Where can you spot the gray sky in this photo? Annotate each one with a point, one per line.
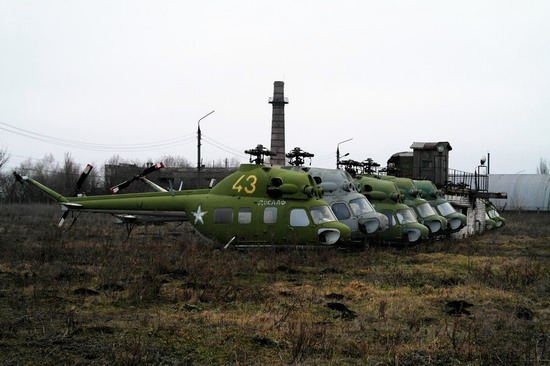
(386, 73)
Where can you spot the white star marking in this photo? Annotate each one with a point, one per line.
(199, 214)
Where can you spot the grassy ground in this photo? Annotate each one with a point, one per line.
(87, 296)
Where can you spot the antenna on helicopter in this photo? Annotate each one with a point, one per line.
(296, 156)
(258, 153)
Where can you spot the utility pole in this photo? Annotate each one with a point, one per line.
(338, 152)
(199, 164)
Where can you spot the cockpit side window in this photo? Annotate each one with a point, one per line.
(391, 218)
(298, 217)
(341, 211)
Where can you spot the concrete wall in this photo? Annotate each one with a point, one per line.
(474, 211)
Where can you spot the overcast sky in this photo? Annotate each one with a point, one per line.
(134, 77)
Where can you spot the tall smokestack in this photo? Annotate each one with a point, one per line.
(278, 123)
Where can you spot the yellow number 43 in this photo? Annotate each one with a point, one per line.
(250, 187)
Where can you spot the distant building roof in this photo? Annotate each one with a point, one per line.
(430, 145)
(530, 192)
(403, 153)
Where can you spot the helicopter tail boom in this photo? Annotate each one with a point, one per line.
(48, 191)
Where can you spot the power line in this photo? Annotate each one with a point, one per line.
(136, 147)
(223, 147)
(326, 157)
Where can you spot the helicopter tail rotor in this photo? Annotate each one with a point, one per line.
(81, 179)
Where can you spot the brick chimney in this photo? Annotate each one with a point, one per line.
(278, 123)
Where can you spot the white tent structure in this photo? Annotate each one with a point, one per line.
(526, 192)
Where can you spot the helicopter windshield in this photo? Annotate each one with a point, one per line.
(360, 206)
(425, 210)
(322, 214)
(445, 209)
(493, 214)
(405, 216)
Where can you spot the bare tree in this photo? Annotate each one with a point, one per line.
(45, 171)
(175, 161)
(115, 160)
(3, 156)
(68, 174)
(544, 167)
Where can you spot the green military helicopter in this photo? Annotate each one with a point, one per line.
(387, 200)
(257, 205)
(489, 223)
(424, 211)
(493, 215)
(349, 206)
(455, 220)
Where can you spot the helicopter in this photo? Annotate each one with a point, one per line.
(455, 220)
(489, 223)
(255, 206)
(387, 200)
(491, 213)
(349, 206)
(424, 212)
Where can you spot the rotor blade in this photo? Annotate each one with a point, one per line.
(63, 217)
(122, 185)
(152, 185)
(145, 171)
(82, 178)
(151, 169)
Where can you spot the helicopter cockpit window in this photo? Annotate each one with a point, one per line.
(406, 216)
(298, 217)
(322, 214)
(270, 215)
(223, 216)
(493, 214)
(445, 209)
(391, 218)
(245, 215)
(341, 211)
(425, 210)
(360, 206)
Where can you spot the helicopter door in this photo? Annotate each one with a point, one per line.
(300, 226)
(343, 214)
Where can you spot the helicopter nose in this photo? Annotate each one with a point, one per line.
(369, 226)
(412, 234)
(455, 223)
(328, 236)
(433, 225)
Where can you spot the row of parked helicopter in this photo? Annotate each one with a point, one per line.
(294, 205)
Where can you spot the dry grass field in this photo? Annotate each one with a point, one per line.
(164, 297)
